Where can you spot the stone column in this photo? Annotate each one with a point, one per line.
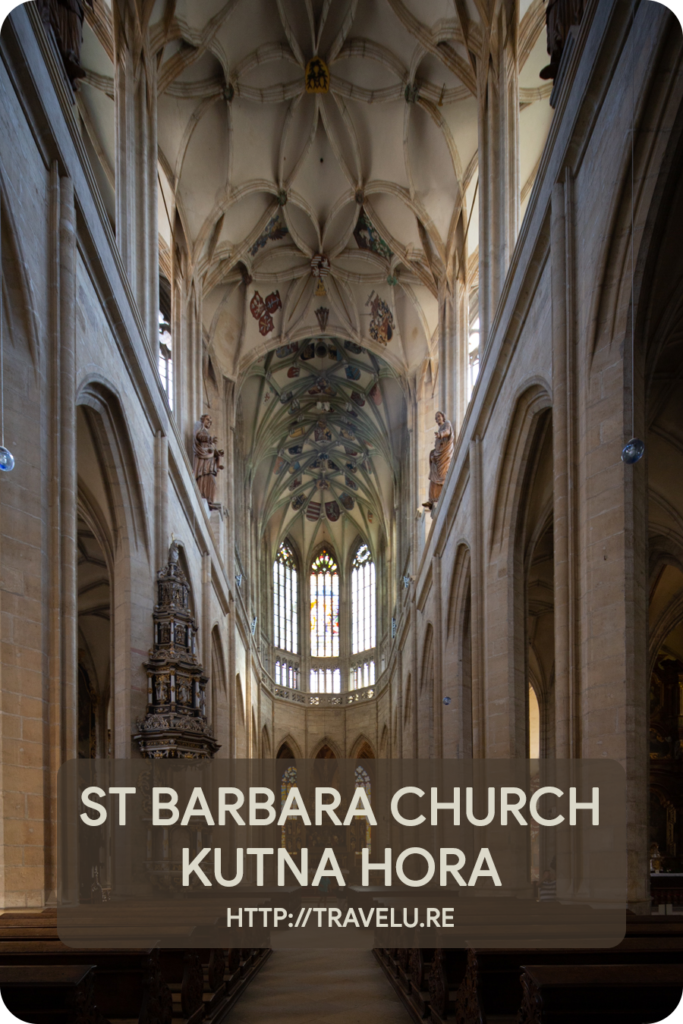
(498, 98)
(477, 620)
(564, 519)
(453, 356)
(67, 489)
(137, 230)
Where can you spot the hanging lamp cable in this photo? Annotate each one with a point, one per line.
(634, 450)
(6, 457)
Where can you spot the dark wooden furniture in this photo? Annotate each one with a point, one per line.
(51, 994)
(592, 994)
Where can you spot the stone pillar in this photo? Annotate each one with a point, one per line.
(67, 488)
(564, 524)
(453, 355)
(498, 98)
(161, 499)
(137, 230)
(477, 622)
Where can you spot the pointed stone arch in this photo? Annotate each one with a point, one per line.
(287, 747)
(109, 429)
(363, 748)
(425, 702)
(326, 750)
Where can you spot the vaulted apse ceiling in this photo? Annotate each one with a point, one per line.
(323, 434)
(262, 177)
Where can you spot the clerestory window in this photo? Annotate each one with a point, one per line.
(363, 601)
(324, 606)
(285, 601)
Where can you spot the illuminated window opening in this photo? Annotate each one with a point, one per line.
(165, 357)
(363, 601)
(285, 601)
(325, 680)
(473, 350)
(324, 608)
(286, 674)
(362, 675)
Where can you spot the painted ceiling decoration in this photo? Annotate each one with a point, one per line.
(322, 437)
(319, 160)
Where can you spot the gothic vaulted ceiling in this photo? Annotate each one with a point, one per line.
(315, 157)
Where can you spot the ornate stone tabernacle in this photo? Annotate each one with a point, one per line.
(175, 724)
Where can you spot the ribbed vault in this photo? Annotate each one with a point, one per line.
(325, 426)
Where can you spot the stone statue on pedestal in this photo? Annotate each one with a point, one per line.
(559, 18)
(207, 460)
(440, 458)
(66, 20)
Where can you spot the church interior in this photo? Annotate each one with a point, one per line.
(360, 326)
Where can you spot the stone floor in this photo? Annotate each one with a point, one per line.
(327, 986)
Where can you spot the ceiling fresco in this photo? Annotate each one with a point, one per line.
(323, 439)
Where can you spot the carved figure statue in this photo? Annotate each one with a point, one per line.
(559, 17)
(162, 690)
(207, 460)
(66, 19)
(439, 458)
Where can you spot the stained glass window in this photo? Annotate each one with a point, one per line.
(324, 606)
(289, 780)
(285, 598)
(363, 781)
(363, 601)
(325, 680)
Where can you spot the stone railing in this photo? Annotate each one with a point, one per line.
(321, 700)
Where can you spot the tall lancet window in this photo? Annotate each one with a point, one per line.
(363, 601)
(285, 600)
(324, 606)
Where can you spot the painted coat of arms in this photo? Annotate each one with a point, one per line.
(332, 511)
(263, 310)
(382, 322)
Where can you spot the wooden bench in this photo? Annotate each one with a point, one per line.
(51, 994)
(127, 984)
(592, 994)
(490, 986)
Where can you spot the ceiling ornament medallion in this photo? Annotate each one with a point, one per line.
(320, 265)
(317, 76)
(322, 315)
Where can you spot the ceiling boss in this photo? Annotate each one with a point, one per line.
(317, 76)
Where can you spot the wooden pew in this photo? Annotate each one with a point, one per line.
(490, 986)
(127, 984)
(591, 994)
(50, 994)
(182, 971)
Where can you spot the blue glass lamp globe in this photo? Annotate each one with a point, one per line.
(6, 460)
(447, 701)
(633, 451)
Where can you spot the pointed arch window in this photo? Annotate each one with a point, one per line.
(324, 606)
(363, 601)
(285, 600)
